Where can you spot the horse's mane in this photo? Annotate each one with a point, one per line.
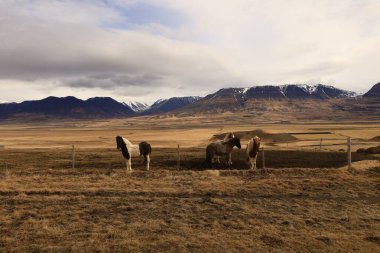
(120, 141)
(127, 142)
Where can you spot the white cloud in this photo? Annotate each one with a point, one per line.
(94, 48)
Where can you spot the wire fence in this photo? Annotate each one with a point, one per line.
(183, 158)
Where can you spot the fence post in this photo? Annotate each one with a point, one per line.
(263, 158)
(73, 160)
(178, 158)
(320, 145)
(349, 153)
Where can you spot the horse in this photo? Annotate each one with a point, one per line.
(253, 148)
(127, 149)
(228, 136)
(145, 150)
(219, 148)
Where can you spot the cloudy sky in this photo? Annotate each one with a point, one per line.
(145, 50)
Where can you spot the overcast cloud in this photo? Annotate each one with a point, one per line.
(145, 50)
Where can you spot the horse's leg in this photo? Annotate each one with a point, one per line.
(147, 158)
(229, 162)
(251, 162)
(126, 165)
(217, 158)
(211, 159)
(144, 162)
(129, 165)
(210, 153)
(254, 162)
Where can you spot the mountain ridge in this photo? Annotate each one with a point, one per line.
(225, 99)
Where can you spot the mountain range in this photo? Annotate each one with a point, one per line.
(291, 98)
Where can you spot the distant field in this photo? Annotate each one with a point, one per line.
(168, 131)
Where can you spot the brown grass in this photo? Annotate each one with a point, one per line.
(302, 203)
(166, 131)
(47, 206)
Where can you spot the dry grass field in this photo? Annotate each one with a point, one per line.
(196, 131)
(305, 201)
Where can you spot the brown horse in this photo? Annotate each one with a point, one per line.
(219, 148)
(253, 148)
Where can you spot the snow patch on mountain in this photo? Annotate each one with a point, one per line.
(137, 106)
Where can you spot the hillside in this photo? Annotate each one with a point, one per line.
(270, 102)
(171, 104)
(67, 107)
(374, 91)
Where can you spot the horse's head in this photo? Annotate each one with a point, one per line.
(256, 141)
(119, 142)
(235, 142)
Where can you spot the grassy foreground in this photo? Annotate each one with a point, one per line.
(47, 206)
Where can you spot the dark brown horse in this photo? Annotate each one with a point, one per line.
(145, 150)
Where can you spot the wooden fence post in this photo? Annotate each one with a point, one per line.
(263, 158)
(178, 158)
(349, 153)
(73, 156)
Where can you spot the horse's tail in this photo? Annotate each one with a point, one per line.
(209, 155)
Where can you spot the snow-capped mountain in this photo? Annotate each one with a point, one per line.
(171, 104)
(231, 99)
(137, 106)
(290, 91)
(287, 91)
(289, 98)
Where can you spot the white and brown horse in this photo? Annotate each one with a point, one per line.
(253, 148)
(221, 148)
(128, 149)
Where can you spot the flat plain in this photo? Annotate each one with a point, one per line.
(304, 201)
